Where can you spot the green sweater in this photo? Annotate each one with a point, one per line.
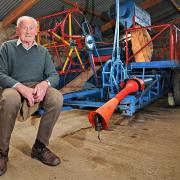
(26, 66)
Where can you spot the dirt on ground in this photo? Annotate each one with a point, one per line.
(143, 147)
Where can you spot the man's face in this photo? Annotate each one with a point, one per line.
(27, 31)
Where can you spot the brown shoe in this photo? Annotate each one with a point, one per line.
(3, 162)
(45, 156)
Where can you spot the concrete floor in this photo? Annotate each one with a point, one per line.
(146, 148)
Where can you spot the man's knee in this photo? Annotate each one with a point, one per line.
(11, 98)
(54, 97)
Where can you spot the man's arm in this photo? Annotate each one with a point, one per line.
(50, 72)
(51, 79)
(5, 80)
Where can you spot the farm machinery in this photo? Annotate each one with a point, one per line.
(65, 35)
(144, 65)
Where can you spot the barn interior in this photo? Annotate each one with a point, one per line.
(119, 68)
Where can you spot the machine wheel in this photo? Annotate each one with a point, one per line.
(176, 86)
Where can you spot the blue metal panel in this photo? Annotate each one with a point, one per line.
(131, 103)
(128, 105)
(128, 10)
(83, 104)
(155, 64)
(67, 108)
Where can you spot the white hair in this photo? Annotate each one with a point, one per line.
(22, 18)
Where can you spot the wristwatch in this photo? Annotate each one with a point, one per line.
(49, 84)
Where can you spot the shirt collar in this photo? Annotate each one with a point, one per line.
(20, 42)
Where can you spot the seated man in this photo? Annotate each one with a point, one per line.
(28, 74)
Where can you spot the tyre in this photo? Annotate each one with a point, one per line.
(176, 86)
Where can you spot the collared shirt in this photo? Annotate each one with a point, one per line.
(27, 48)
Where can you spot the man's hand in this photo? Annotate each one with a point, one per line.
(26, 92)
(40, 91)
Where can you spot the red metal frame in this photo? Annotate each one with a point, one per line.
(172, 39)
(64, 39)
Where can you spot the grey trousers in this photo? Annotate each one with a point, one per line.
(10, 103)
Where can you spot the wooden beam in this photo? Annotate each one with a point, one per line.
(24, 6)
(176, 4)
(108, 25)
(175, 21)
(149, 3)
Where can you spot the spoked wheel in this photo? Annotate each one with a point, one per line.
(63, 36)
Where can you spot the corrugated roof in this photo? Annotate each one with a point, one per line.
(46, 7)
(6, 6)
(163, 12)
(160, 13)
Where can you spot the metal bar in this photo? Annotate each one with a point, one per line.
(149, 27)
(59, 13)
(155, 64)
(176, 43)
(70, 26)
(81, 93)
(67, 59)
(149, 41)
(148, 88)
(59, 37)
(127, 56)
(83, 103)
(80, 60)
(171, 40)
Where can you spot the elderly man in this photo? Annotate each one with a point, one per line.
(28, 74)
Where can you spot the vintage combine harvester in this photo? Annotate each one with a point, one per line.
(65, 34)
(58, 33)
(145, 65)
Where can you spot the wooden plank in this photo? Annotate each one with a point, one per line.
(78, 83)
(175, 21)
(24, 6)
(176, 4)
(108, 25)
